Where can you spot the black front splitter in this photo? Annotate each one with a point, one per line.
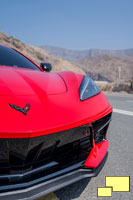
(53, 184)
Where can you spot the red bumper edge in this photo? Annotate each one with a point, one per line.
(97, 154)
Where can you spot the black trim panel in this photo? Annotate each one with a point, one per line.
(51, 185)
(22, 155)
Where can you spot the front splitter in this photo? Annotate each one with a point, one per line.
(54, 184)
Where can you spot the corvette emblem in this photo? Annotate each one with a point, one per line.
(23, 110)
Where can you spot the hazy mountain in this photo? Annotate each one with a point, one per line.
(108, 65)
(73, 55)
(99, 64)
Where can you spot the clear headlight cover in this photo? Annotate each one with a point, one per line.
(88, 88)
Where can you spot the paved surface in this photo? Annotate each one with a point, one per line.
(50, 196)
(120, 159)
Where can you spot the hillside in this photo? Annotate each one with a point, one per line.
(107, 66)
(37, 54)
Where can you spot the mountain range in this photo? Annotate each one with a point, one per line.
(101, 65)
(97, 63)
(74, 55)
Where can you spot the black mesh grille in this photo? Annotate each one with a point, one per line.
(100, 128)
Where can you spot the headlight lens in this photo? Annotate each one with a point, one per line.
(88, 88)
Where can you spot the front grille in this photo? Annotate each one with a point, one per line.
(44, 155)
(100, 128)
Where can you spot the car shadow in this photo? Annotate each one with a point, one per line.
(72, 191)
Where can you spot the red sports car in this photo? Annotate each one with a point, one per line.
(53, 127)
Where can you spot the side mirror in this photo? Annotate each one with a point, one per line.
(46, 66)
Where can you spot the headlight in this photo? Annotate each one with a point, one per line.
(88, 88)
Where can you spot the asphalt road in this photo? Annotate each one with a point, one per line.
(120, 158)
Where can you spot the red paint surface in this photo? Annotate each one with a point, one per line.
(97, 154)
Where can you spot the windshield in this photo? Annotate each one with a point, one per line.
(10, 57)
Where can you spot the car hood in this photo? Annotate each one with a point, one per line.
(54, 103)
(16, 81)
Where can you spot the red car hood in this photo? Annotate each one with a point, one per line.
(53, 105)
(17, 81)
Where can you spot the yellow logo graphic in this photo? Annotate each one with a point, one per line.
(114, 184)
(104, 192)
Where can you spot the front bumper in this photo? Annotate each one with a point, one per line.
(83, 157)
(76, 173)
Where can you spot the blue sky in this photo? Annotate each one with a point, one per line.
(73, 24)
